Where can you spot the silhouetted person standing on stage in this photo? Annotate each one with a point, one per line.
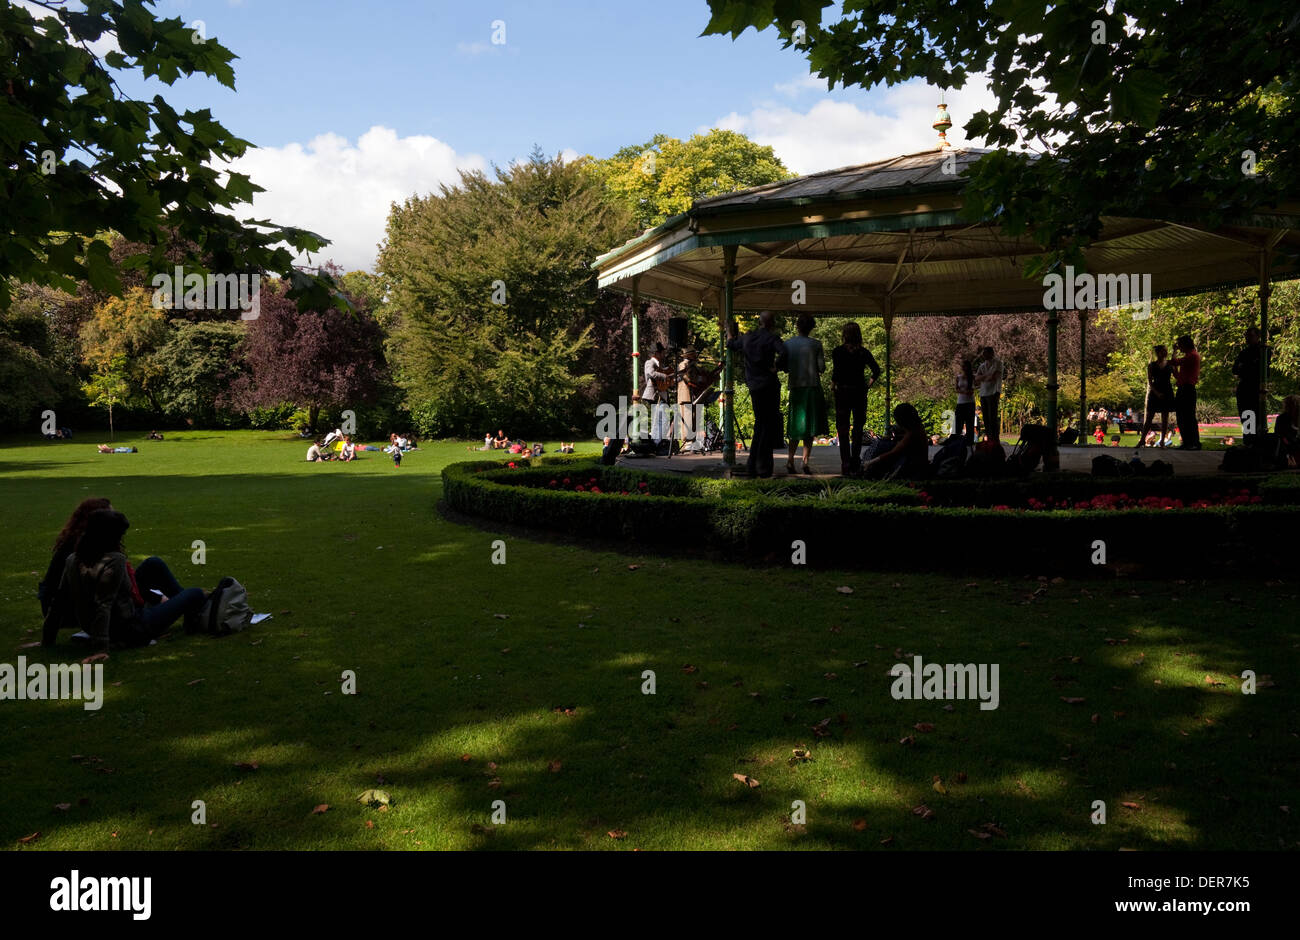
(763, 353)
(1187, 372)
(1250, 396)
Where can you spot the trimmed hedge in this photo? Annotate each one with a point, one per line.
(740, 517)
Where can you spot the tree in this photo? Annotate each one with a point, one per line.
(662, 177)
(1143, 106)
(492, 288)
(78, 157)
(108, 387)
(324, 358)
(34, 369)
(129, 330)
(195, 366)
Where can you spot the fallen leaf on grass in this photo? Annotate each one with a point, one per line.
(1130, 805)
(938, 786)
(247, 765)
(321, 809)
(1210, 680)
(924, 812)
(465, 758)
(860, 825)
(907, 740)
(1074, 700)
(923, 726)
(196, 682)
(844, 589)
(374, 798)
(501, 616)
(633, 567)
(887, 840)
(31, 645)
(979, 835)
(746, 779)
(818, 700)
(554, 766)
(63, 806)
(800, 754)
(370, 824)
(95, 658)
(617, 834)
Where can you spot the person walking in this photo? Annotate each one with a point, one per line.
(1250, 396)
(763, 353)
(805, 361)
(849, 385)
(1160, 394)
(1187, 372)
(988, 374)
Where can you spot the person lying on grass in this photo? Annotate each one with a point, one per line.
(101, 594)
(110, 449)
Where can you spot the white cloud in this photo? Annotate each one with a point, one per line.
(801, 85)
(834, 133)
(343, 190)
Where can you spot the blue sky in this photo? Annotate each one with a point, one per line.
(354, 104)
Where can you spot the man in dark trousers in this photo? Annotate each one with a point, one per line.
(1249, 396)
(764, 354)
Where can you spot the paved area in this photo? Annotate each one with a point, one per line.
(826, 460)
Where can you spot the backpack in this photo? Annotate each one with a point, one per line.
(950, 458)
(226, 610)
(1104, 465)
(1035, 439)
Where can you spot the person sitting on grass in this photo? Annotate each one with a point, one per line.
(537, 450)
(155, 436)
(63, 546)
(349, 451)
(567, 448)
(102, 595)
(501, 442)
(314, 452)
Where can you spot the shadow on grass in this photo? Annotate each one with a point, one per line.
(537, 667)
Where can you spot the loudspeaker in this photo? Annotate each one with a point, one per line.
(677, 332)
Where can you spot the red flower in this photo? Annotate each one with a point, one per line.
(552, 483)
(566, 480)
(595, 489)
(580, 488)
(511, 465)
(624, 493)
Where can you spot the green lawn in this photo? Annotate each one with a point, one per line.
(523, 683)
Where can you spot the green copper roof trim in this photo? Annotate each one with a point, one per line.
(791, 233)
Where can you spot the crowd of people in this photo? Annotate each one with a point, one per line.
(90, 586)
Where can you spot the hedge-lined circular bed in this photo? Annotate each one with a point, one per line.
(1037, 524)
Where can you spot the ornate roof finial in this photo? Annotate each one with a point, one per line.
(941, 124)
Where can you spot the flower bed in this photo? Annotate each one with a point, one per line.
(886, 525)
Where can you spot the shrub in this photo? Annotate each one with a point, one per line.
(753, 519)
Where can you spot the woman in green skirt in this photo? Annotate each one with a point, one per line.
(805, 361)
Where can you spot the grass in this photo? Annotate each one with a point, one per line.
(523, 683)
